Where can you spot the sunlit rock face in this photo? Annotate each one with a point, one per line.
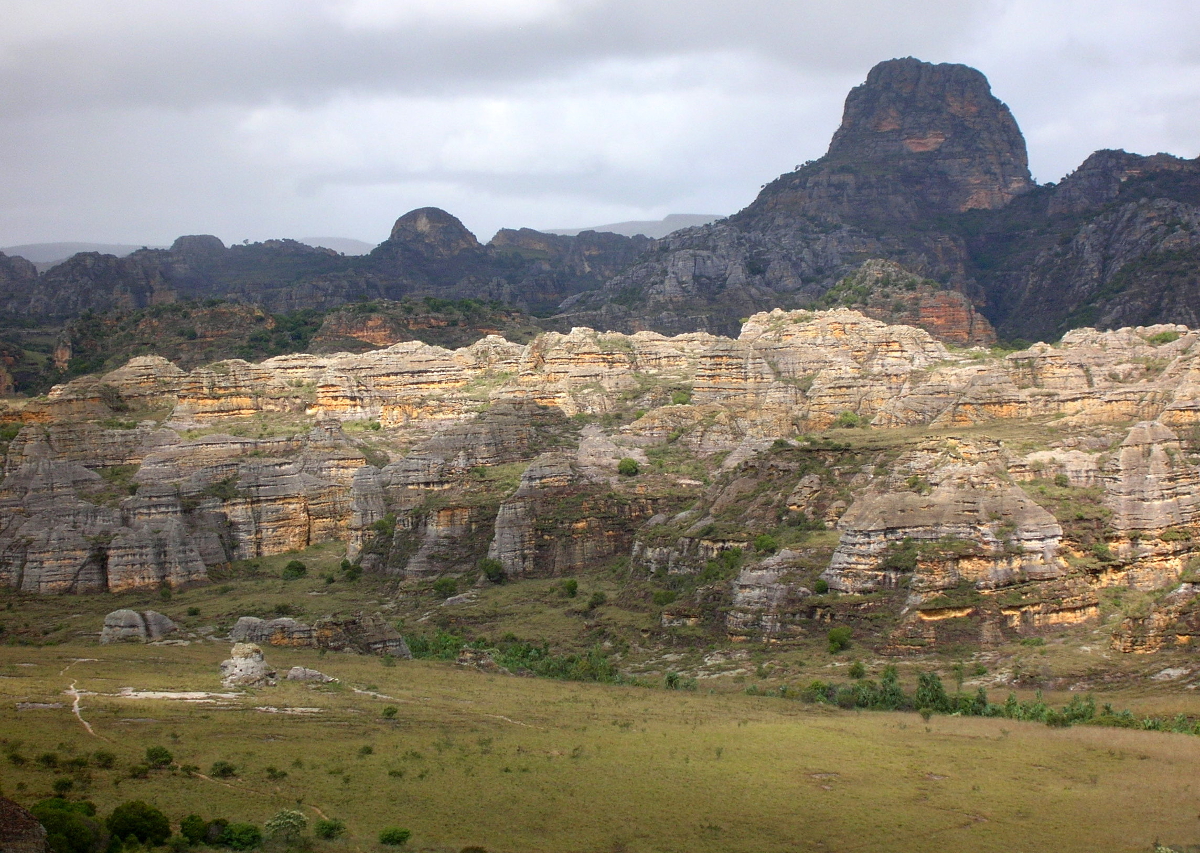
(947, 514)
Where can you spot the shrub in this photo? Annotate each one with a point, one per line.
(445, 587)
(287, 824)
(294, 570)
(104, 759)
(627, 467)
(71, 827)
(681, 397)
(141, 820)
(663, 597)
(222, 770)
(193, 611)
(394, 836)
(570, 587)
(389, 712)
(214, 831)
(158, 756)
(598, 599)
(63, 785)
(1062, 480)
(839, 639)
(847, 420)
(858, 670)
(492, 569)
(192, 828)
(332, 828)
(821, 586)
(242, 836)
(931, 693)
(1163, 338)
(765, 543)
(900, 556)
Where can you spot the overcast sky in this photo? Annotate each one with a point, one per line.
(139, 120)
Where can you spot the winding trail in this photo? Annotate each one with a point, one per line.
(77, 696)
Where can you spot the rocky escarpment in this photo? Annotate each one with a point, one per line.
(425, 462)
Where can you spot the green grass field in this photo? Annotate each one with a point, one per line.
(524, 764)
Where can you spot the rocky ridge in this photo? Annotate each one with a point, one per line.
(423, 460)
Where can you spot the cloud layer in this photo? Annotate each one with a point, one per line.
(137, 121)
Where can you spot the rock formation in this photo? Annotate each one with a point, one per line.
(130, 625)
(362, 633)
(246, 668)
(313, 676)
(20, 831)
(945, 515)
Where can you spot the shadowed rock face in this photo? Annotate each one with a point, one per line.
(916, 140)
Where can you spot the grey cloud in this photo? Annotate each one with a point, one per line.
(186, 54)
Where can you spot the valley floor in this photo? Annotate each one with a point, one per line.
(526, 764)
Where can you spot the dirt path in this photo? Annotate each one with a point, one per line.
(77, 697)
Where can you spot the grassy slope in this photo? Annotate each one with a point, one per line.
(533, 765)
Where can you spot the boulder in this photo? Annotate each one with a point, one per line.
(246, 667)
(131, 626)
(300, 673)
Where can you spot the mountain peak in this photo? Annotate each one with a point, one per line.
(915, 139)
(434, 231)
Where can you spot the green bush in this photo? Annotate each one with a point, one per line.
(847, 420)
(222, 770)
(394, 836)
(627, 467)
(598, 599)
(294, 570)
(663, 597)
(141, 820)
(765, 543)
(242, 836)
(821, 586)
(192, 828)
(681, 397)
(71, 827)
(839, 639)
(858, 670)
(214, 831)
(332, 828)
(570, 587)
(1163, 338)
(104, 759)
(288, 825)
(1062, 481)
(389, 712)
(158, 756)
(445, 587)
(492, 569)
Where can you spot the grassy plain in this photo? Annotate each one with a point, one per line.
(523, 764)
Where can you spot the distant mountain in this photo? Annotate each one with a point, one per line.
(52, 253)
(654, 228)
(929, 170)
(345, 245)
